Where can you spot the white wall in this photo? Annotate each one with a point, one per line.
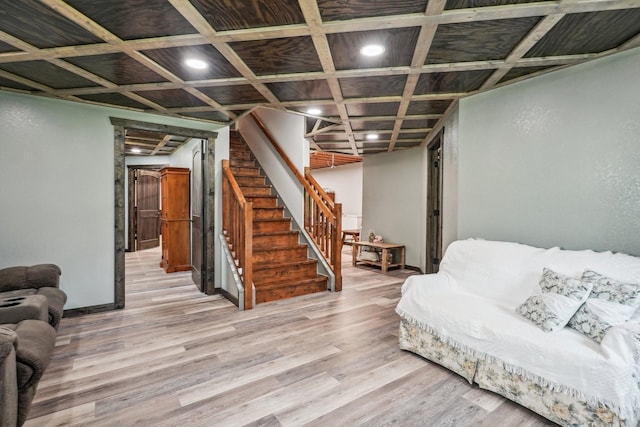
(393, 200)
(56, 169)
(288, 130)
(555, 160)
(346, 182)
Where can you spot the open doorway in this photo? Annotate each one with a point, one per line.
(205, 259)
(143, 230)
(434, 204)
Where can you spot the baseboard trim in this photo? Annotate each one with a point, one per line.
(230, 297)
(411, 267)
(75, 312)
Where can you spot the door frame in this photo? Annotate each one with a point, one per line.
(434, 201)
(119, 177)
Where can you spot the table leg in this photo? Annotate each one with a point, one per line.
(402, 257)
(385, 260)
(354, 252)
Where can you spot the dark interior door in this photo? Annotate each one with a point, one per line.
(147, 209)
(197, 217)
(434, 206)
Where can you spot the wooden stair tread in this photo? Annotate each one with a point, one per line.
(281, 264)
(296, 246)
(287, 283)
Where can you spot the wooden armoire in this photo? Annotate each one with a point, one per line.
(175, 219)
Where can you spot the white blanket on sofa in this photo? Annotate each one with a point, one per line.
(471, 305)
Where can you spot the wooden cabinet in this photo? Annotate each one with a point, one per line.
(175, 219)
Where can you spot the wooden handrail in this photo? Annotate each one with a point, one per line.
(237, 224)
(322, 216)
(292, 167)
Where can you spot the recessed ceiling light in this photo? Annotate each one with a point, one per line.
(314, 111)
(372, 50)
(198, 64)
(372, 136)
(136, 150)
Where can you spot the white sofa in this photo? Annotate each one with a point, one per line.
(465, 318)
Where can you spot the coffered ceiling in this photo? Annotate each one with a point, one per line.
(299, 54)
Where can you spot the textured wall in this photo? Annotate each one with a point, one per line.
(393, 200)
(56, 169)
(555, 160)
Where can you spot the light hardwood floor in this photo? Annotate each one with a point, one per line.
(176, 357)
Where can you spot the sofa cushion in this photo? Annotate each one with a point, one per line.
(610, 303)
(35, 276)
(560, 298)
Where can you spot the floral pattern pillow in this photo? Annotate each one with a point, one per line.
(610, 303)
(560, 298)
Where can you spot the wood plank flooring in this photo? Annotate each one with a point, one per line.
(176, 357)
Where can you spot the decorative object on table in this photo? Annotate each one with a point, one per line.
(377, 239)
(372, 236)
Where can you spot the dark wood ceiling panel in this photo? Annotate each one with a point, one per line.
(173, 60)
(588, 33)
(13, 85)
(301, 90)
(292, 55)
(326, 110)
(407, 144)
(361, 125)
(234, 94)
(216, 116)
(47, 74)
(5, 47)
(428, 107)
(115, 99)
(232, 15)
(460, 81)
(278, 56)
(373, 109)
(412, 135)
(132, 19)
(399, 45)
(372, 86)
(339, 10)
(514, 73)
(418, 124)
(478, 41)
(469, 4)
(117, 68)
(172, 98)
(332, 137)
(36, 24)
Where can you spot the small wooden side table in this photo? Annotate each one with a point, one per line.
(384, 262)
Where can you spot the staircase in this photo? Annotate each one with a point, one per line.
(281, 268)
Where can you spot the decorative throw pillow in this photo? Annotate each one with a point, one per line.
(610, 303)
(560, 298)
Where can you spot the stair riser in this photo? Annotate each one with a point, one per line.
(250, 180)
(269, 226)
(289, 292)
(274, 241)
(290, 272)
(256, 191)
(263, 202)
(268, 213)
(278, 255)
(242, 163)
(239, 154)
(245, 171)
